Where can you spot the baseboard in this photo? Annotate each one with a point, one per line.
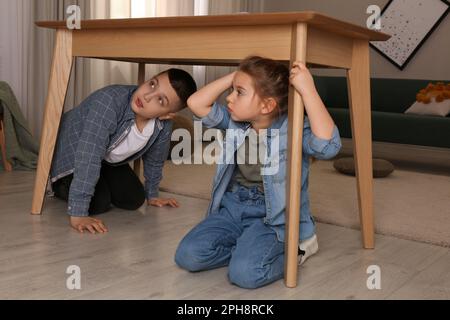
(421, 158)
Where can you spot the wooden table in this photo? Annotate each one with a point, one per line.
(225, 40)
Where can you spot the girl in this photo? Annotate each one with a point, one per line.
(245, 223)
(113, 126)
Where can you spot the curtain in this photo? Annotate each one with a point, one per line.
(228, 7)
(26, 54)
(109, 72)
(114, 72)
(26, 50)
(15, 16)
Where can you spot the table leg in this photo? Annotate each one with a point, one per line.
(294, 165)
(358, 78)
(57, 88)
(141, 80)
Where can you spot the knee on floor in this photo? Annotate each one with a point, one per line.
(191, 256)
(245, 275)
(131, 203)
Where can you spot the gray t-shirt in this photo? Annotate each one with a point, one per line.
(249, 160)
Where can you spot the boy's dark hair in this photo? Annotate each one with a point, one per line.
(183, 84)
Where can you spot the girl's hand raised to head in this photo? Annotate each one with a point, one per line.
(160, 202)
(301, 79)
(202, 101)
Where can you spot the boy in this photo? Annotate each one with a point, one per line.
(113, 126)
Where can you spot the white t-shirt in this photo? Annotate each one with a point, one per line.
(132, 143)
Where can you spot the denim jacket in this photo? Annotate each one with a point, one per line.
(89, 131)
(274, 179)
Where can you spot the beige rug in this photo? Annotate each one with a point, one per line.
(408, 205)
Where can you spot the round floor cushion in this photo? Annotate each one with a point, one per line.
(381, 168)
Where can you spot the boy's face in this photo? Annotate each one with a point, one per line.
(155, 98)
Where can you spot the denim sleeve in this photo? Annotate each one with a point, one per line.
(100, 124)
(318, 148)
(154, 160)
(217, 118)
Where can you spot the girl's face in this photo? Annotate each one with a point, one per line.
(155, 98)
(243, 103)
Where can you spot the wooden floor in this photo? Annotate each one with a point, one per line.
(135, 259)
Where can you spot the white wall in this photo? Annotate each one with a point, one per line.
(432, 61)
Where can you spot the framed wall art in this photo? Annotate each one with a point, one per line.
(410, 23)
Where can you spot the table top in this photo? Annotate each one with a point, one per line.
(315, 19)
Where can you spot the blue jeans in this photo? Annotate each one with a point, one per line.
(235, 236)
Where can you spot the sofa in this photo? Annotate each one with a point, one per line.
(390, 98)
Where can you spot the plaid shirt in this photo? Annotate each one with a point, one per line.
(89, 131)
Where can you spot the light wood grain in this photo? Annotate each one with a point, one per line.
(315, 19)
(294, 165)
(359, 97)
(185, 43)
(328, 49)
(135, 259)
(57, 88)
(432, 282)
(193, 46)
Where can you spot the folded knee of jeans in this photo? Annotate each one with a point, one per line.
(184, 257)
(244, 275)
(192, 256)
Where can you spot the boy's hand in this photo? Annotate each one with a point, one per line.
(169, 116)
(301, 79)
(160, 202)
(87, 223)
